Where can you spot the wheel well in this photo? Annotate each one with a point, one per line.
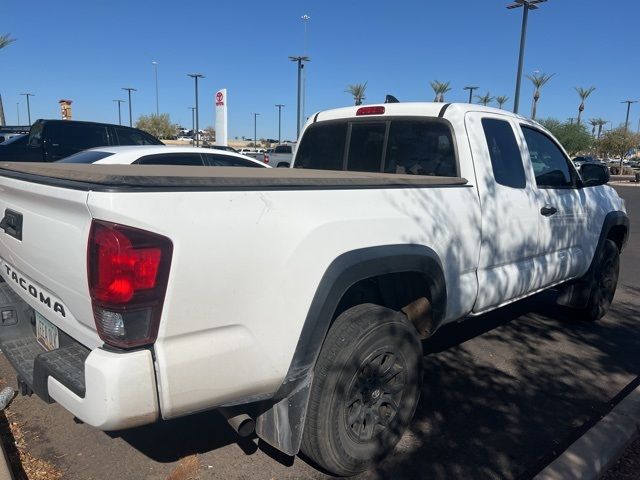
(392, 290)
(618, 234)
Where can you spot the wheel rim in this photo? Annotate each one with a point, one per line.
(608, 280)
(375, 394)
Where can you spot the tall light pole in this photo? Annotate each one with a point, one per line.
(300, 60)
(193, 119)
(255, 129)
(626, 122)
(527, 5)
(196, 76)
(155, 67)
(18, 110)
(305, 20)
(28, 105)
(279, 107)
(129, 90)
(119, 115)
(471, 89)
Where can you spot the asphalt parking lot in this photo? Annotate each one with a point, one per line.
(503, 395)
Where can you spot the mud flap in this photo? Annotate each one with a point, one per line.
(283, 424)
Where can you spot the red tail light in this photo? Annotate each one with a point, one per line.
(266, 158)
(128, 271)
(370, 111)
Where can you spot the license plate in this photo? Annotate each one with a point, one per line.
(46, 333)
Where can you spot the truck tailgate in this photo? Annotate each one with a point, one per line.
(46, 263)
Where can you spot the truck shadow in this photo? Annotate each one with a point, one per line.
(503, 393)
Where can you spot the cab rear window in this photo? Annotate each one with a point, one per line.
(410, 146)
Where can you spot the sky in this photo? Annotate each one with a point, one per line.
(87, 51)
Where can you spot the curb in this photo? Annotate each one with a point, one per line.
(589, 456)
(5, 469)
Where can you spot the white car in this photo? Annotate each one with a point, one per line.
(163, 155)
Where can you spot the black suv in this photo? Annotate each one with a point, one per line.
(52, 140)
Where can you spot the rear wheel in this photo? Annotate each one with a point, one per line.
(365, 389)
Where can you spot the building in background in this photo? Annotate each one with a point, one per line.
(65, 109)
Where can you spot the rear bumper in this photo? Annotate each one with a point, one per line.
(105, 389)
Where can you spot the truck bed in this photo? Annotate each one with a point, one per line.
(128, 177)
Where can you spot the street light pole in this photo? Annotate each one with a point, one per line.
(129, 90)
(155, 67)
(255, 130)
(527, 5)
(279, 106)
(119, 115)
(196, 76)
(300, 60)
(193, 119)
(626, 122)
(28, 105)
(471, 89)
(18, 110)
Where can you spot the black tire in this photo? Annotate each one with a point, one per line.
(365, 389)
(603, 284)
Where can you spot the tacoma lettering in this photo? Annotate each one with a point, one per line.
(34, 292)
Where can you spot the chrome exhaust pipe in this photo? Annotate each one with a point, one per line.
(242, 423)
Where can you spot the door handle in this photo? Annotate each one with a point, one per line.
(548, 210)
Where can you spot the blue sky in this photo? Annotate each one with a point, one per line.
(87, 51)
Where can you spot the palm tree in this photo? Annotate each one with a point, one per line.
(594, 123)
(440, 88)
(601, 123)
(583, 93)
(485, 99)
(357, 90)
(538, 80)
(5, 40)
(502, 99)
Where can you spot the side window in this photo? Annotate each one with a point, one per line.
(420, 147)
(189, 159)
(283, 149)
(550, 166)
(229, 161)
(35, 135)
(77, 135)
(365, 147)
(322, 146)
(506, 160)
(132, 137)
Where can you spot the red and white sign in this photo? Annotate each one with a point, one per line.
(220, 100)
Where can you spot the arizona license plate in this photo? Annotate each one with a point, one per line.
(46, 333)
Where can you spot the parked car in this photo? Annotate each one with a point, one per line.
(8, 131)
(295, 298)
(162, 155)
(51, 140)
(282, 156)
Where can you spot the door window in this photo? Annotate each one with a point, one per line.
(229, 161)
(550, 165)
(187, 159)
(506, 160)
(134, 137)
(77, 136)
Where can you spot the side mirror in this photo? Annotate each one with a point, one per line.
(594, 174)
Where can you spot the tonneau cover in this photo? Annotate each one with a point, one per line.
(82, 176)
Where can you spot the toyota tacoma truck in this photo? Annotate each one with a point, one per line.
(294, 300)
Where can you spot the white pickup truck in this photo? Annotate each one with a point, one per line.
(294, 300)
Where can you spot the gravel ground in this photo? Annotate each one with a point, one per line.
(628, 466)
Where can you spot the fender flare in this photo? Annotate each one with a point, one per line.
(283, 423)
